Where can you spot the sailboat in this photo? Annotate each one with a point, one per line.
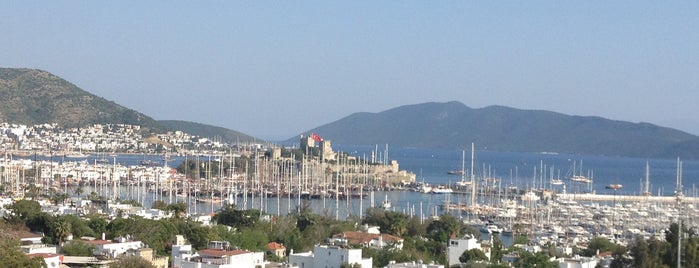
(386, 204)
(579, 177)
(463, 181)
(646, 190)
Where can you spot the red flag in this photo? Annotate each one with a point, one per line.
(316, 137)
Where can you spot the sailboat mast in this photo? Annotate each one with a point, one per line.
(679, 177)
(473, 178)
(463, 163)
(647, 186)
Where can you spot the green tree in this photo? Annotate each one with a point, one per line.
(251, 239)
(97, 224)
(620, 258)
(79, 227)
(650, 253)
(398, 223)
(57, 197)
(283, 230)
(520, 240)
(154, 233)
(31, 191)
(196, 234)
(391, 222)
(23, 210)
(177, 209)
(600, 244)
(472, 255)
(445, 228)
(381, 257)
(12, 256)
(538, 260)
(61, 230)
(42, 222)
(691, 253)
(496, 251)
(415, 227)
(77, 248)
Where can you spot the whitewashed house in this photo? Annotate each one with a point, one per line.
(330, 257)
(459, 246)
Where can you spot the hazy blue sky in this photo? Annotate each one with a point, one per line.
(275, 69)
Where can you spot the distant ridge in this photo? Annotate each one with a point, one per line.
(208, 131)
(32, 97)
(455, 125)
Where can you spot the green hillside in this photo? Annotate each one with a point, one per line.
(32, 97)
(454, 125)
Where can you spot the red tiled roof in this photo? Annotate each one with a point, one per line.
(362, 237)
(275, 246)
(220, 252)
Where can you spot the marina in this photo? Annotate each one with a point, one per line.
(569, 212)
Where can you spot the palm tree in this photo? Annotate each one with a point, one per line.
(31, 191)
(79, 191)
(61, 230)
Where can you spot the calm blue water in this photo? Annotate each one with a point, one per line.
(431, 165)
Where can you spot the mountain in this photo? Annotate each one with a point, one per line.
(211, 132)
(32, 97)
(498, 128)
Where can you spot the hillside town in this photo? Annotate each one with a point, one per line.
(51, 139)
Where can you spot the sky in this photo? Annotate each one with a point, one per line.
(275, 69)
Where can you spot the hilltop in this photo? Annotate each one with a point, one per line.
(33, 97)
(498, 128)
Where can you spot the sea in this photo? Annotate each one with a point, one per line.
(524, 169)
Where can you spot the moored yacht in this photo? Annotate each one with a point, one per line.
(442, 190)
(491, 229)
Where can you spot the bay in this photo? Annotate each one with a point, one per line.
(431, 166)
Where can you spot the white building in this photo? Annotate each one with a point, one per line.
(51, 260)
(330, 257)
(38, 248)
(459, 246)
(392, 264)
(111, 249)
(577, 262)
(218, 255)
